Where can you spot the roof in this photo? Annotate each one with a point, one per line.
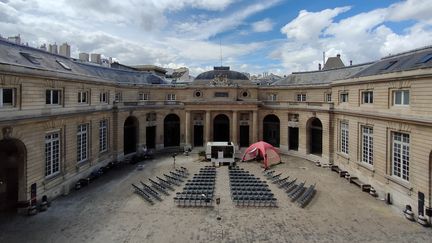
(333, 63)
(320, 76)
(223, 74)
(415, 59)
(34, 59)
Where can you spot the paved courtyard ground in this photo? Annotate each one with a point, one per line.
(109, 211)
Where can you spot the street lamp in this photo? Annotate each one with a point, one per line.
(174, 157)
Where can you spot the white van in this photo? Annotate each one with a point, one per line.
(220, 152)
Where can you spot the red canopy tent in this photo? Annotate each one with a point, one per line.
(263, 150)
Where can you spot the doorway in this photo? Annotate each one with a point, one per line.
(151, 137)
(221, 128)
(171, 131)
(198, 136)
(130, 135)
(315, 136)
(271, 129)
(244, 136)
(293, 135)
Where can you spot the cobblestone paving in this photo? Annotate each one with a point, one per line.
(108, 211)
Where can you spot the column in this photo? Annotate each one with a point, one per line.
(207, 127)
(255, 127)
(187, 129)
(234, 128)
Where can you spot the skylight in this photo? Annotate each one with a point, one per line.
(30, 57)
(389, 65)
(64, 65)
(426, 58)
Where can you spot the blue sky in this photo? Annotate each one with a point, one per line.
(278, 36)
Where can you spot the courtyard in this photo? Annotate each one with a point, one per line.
(108, 211)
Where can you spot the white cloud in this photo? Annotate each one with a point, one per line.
(309, 25)
(362, 37)
(264, 25)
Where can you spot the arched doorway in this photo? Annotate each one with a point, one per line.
(130, 135)
(314, 126)
(271, 130)
(171, 131)
(12, 174)
(221, 128)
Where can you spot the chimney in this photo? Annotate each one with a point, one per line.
(350, 62)
(319, 66)
(338, 55)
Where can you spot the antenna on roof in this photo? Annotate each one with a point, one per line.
(323, 57)
(220, 49)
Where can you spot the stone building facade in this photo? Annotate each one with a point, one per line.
(61, 119)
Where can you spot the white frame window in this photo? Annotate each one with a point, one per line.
(52, 154)
(272, 97)
(400, 155)
(344, 137)
(343, 98)
(367, 145)
(103, 97)
(82, 97)
(7, 97)
(328, 97)
(367, 97)
(82, 142)
(103, 135)
(143, 96)
(171, 97)
(401, 97)
(53, 97)
(301, 97)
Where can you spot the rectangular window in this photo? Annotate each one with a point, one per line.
(328, 97)
(103, 135)
(343, 97)
(7, 97)
(143, 96)
(301, 97)
(272, 97)
(103, 97)
(171, 97)
(344, 137)
(367, 97)
(221, 94)
(82, 143)
(52, 154)
(401, 97)
(400, 155)
(53, 97)
(367, 145)
(82, 97)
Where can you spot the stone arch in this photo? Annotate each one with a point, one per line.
(13, 154)
(314, 136)
(172, 130)
(271, 130)
(221, 128)
(130, 135)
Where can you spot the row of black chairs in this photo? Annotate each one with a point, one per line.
(296, 191)
(198, 191)
(160, 186)
(248, 190)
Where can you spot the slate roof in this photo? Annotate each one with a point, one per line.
(36, 59)
(333, 63)
(411, 60)
(320, 77)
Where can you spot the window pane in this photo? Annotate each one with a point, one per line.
(7, 96)
(55, 95)
(398, 97)
(406, 97)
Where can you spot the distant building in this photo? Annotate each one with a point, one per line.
(178, 75)
(53, 48)
(15, 39)
(65, 50)
(84, 56)
(95, 58)
(43, 47)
